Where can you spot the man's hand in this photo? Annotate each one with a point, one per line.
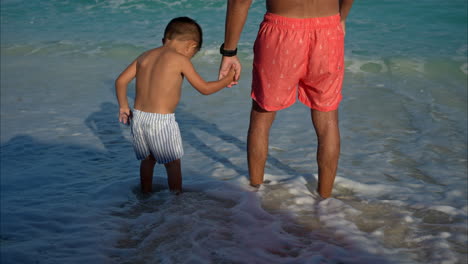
(124, 115)
(343, 26)
(226, 65)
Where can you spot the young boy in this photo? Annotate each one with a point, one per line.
(159, 74)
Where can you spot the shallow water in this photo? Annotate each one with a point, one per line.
(69, 178)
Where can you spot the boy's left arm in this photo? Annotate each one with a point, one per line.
(121, 85)
(200, 84)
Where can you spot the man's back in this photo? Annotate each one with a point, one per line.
(303, 8)
(158, 81)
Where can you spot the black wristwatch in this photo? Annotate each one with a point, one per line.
(227, 53)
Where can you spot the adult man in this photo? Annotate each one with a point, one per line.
(299, 50)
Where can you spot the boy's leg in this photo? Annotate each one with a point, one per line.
(146, 174)
(257, 142)
(174, 176)
(328, 150)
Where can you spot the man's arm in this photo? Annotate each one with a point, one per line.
(121, 85)
(200, 84)
(345, 6)
(236, 15)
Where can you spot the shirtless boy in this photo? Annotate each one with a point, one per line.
(159, 74)
(298, 52)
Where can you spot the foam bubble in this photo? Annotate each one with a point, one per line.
(464, 68)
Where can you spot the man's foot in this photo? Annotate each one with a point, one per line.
(255, 185)
(260, 184)
(176, 192)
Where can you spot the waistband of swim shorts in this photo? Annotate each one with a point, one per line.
(302, 23)
(153, 116)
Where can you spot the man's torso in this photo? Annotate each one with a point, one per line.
(303, 8)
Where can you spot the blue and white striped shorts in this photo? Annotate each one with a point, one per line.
(156, 134)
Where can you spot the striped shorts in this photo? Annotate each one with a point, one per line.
(156, 134)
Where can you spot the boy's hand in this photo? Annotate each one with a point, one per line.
(124, 115)
(226, 65)
(232, 73)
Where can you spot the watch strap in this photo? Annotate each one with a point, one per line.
(227, 53)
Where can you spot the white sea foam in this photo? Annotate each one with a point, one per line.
(464, 68)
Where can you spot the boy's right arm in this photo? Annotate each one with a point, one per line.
(200, 84)
(121, 85)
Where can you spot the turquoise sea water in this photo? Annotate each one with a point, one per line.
(69, 178)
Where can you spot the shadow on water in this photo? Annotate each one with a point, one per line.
(47, 191)
(104, 125)
(189, 122)
(66, 182)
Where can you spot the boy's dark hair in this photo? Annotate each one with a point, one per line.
(184, 28)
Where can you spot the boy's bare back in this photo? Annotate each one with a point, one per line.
(158, 80)
(159, 74)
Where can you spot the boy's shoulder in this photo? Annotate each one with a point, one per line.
(163, 55)
(164, 52)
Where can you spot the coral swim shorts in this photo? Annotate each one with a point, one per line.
(298, 57)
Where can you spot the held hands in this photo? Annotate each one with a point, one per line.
(228, 65)
(125, 115)
(232, 75)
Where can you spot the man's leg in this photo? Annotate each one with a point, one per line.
(174, 176)
(146, 174)
(257, 142)
(328, 150)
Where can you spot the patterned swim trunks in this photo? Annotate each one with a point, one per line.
(301, 58)
(156, 134)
